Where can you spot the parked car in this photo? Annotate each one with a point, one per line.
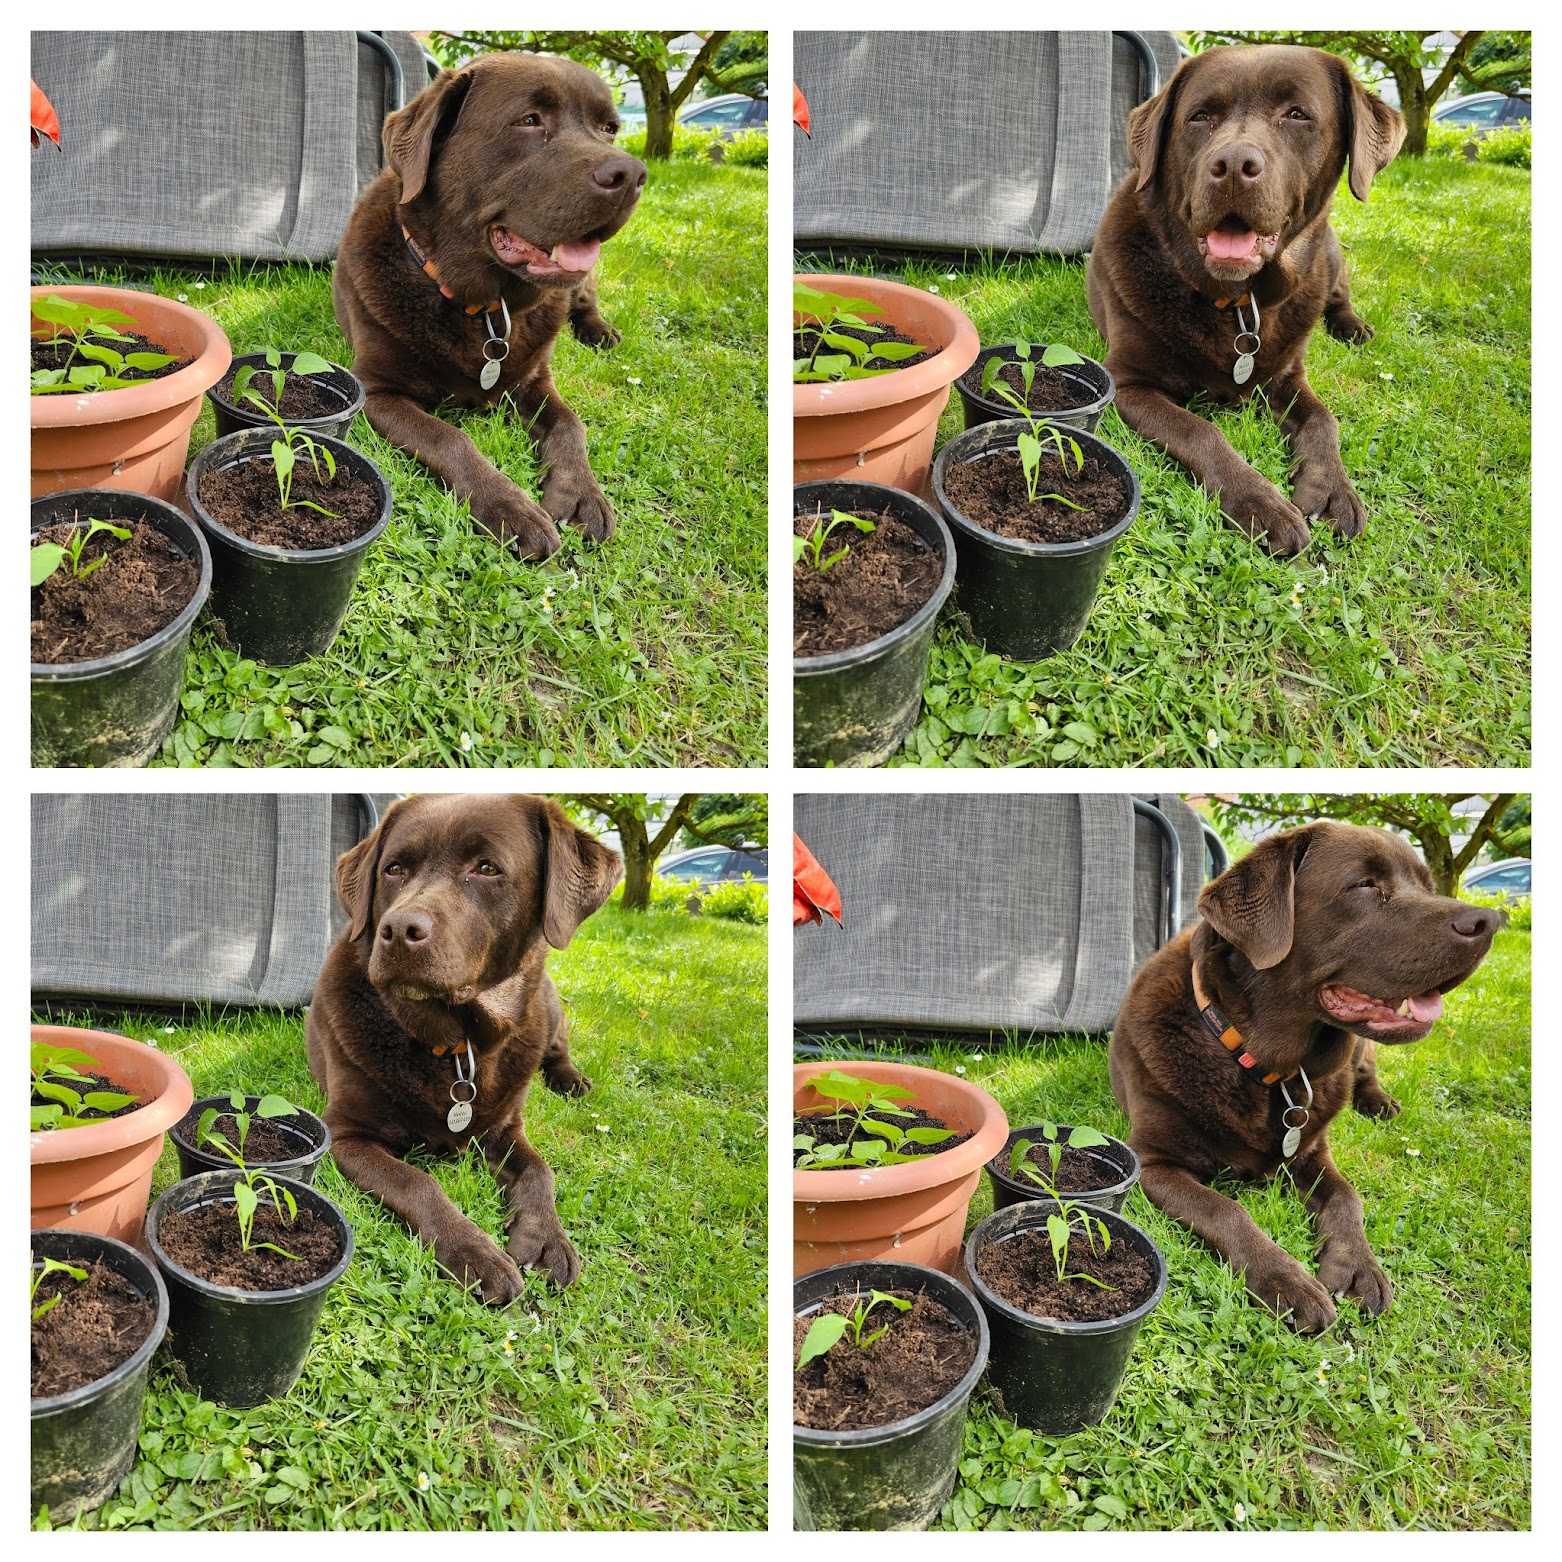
(712, 864)
(1509, 878)
(1483, 111)
(729, 114)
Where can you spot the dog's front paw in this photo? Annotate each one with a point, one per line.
(1349, 1269)
(564, 1079)
(1285, 1287)
(539, 1243)
(1321, 489)
(1257, 507)
(1374, 1101)
(593, 331)
(1345, 325)
(475, 1259)
(577, 501)
(515, 520)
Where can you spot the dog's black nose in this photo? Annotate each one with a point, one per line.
(1476, 922)
(406, 927)
(1245, 163)
(619, 173)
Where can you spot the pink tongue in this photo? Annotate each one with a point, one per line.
(577, 257)
(1426, 1008)
(1231, 246)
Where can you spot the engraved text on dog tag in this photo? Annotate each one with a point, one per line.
(461, 1114)
(490, 375)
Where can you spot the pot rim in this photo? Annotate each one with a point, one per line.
(871, 1436)
(56, 1404)
(194, 1189)
(953, 358)
(1000, 1173)
(317, 1152)
(1033, 1213)
(149, 1121)
(149, 396)
(928, 1171)
(871, 650)
(991, 432)
(1100, 404)
(67, 672)
(351, 409)
(356, 461)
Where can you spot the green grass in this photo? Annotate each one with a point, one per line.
(1420, 1418)
(649, 650)
(1408, 646)
(636, 1399)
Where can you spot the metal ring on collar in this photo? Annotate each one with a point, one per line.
(470, 1085)
(1252, 336)
(501, 355)
(1285, 1117)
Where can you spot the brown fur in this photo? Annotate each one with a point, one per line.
(460, 161)
(1153, 295)
(1303, 911)
(436, 951)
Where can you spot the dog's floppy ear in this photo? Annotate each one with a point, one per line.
(1374, 132)
(410, 133)
(1253, 903)
(1147, 132)
(579, 875)
(356, 871)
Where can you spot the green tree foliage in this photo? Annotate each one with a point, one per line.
(728, 819)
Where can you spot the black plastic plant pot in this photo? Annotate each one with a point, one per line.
(306, 1133)
(84, 1442)
(240, 1347)
(1114, 1159)
(116, 710)
(1044, 1374)
(280, 605)
(896, 1476)
(1026, 600)
(1093, 381)
(340, 385)
(855, 707)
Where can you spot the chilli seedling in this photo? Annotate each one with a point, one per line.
(811, 547)
(88, 329)
(1078, 1139)
(51, 1266)
(871, 1141)
(1061, 1226)
(268, 1106)
(1053, 356)
(253, 1184)
(48, 556)
(295, 442)
(852, 358)
(829, 1329)
(1030, 444)
(245, 390)
(56, 1078)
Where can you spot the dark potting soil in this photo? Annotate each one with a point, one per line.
(97, 1323)
(143, 585)
(805, 337)
(1078, 1171)
(97, 1082)
(888, 574)
(826, 1130)
(1021, 1270)
(205, 1240)
(991, 493)
(244, 498)
(923, 1354)
(302, 397)
(56, 355)
(1051, 390)
(265, 1141)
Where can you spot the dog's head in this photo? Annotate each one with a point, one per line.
(512, 159)
(1346, 928)
(452, 891)
(1247, 145)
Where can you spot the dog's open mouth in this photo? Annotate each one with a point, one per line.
(1232, 246)
(1407, 1020)
(563, 260)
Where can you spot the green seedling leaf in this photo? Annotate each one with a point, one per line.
(799, 548)
(1086, 1138)
(848, 344)
(310, 363)
(275, 1106)
(105, 355)
(51, 1090)
(86, 374)
(47, 1116)
(1056, 355)
(46, 558)
(283, 458)
(824, 1333)
(929, 1135)
(106, 1100)
(895, 351)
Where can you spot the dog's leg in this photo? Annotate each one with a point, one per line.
(461, 1247)
(1249, 501)
(585, 319)
(558, 1068)
(1339, 319)
(1346, 1266)
(569, 491)
(536, 1237)
(1319, 486)
(1273, 1277)
(497, 504)
(1367, 1095)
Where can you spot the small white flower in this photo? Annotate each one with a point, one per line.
(509, 1349)
(199, 285)
(1239, 1513)
(511, 1334)
(466, 742)
(932, 290)
(1442, 1491)
(184, 298)
(959, 1068)
(635, 380)
(1212, 739)
(1385, 376)
(949, 276)
(976, 1057)
(168, 1030)
(423, 1480)
(1412, 1152)
(602, 1128)
(1350, 1351)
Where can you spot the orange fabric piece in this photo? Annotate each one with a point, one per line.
(800, 116)
(813, 893)
(45, 120)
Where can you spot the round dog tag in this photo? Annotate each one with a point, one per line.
(1242, 373)
(461, 1114)
(1293, 1137)
(490, 375)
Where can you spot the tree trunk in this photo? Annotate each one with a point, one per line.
(1416, 110)
(636, 847)
(658, 114)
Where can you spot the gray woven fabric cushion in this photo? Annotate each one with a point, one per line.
(1152, 864)
(959, 140)
(968, 912)
(171, 898)
(229, 145)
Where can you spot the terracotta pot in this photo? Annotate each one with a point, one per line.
(138, 437)
(914, 1212)
(99, 1177)
(880, 430)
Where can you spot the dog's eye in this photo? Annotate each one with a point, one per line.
(394, 870)
(530, 119)
(612, 127)
(487, 870)
(1365, 884)
(1199, 117)
(1297, 114)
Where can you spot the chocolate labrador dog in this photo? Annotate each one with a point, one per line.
(461, 263)
(434, 1010)
(1215, 260)
(1320, 944)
